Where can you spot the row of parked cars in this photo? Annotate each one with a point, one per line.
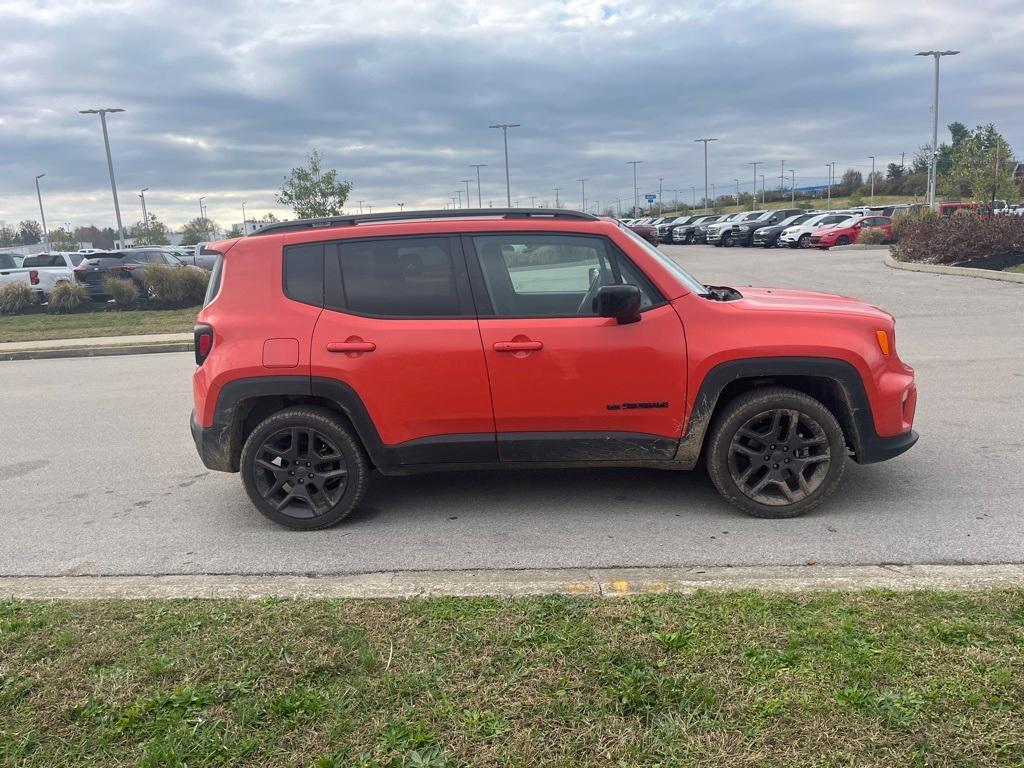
(91, 266)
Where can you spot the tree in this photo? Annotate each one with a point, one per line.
(982, 166)
(29, 232)
(894, 171)
(851, 181)
(235, 231)
(198, 230)
(151, 232)
(312, 192)
(269, 218)
(8, 237)
(62, 240)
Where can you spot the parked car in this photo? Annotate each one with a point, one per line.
(666, 229)
(310, 329)
(96, 267)
(739, 232)
(847, 232)
(702, 230)
(768, 237)
(799, 235)
(647, 232)
(685, 234)
(199, 256)
(41, 272)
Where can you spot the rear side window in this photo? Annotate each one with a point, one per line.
(304, 273)
(395, 277)
(213, 287)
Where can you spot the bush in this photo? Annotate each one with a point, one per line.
(66, 297)
(15, 298)
(178, 286)
(122, 291)
(904, 221)
(872, 236)
(959, 239)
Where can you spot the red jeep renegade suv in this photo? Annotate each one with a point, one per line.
(525, 338)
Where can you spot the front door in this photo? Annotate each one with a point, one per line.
(567, 385)
(399, 330)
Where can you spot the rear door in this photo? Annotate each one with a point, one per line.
(568, 385)
(399, 331)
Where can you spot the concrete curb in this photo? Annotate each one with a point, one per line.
(859, 247)
(106, 351)
(942, 269)
(606, 582)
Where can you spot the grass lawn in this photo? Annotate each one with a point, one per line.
(838, 203)
(710, 679)
(38, 326)
(1015, 268)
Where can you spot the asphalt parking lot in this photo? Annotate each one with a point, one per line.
(98, 474)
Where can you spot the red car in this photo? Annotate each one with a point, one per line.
(648, 233)
(420, 341)
(848, 234)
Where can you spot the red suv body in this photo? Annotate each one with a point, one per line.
(848, 234)
(526, 338)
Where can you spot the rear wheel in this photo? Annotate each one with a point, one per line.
(303, 469)
(842, 240)
(776, 453)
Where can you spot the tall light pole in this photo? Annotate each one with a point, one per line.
(557, 203)
(693, 191)
(636, 189)
(661, 190)
(782, 180)
(458, 193)
(142, 196)
(737, 192)
(828, 183)
(705, 170)
(401, 206)
(935, 122)
(39, 195)
(479, 200)
(110, 163)
(244, 218)
(872, 178)
(762, 189)
(583, 193)
(466, 182)
(792, 187)
(753, 201)
(504, 135)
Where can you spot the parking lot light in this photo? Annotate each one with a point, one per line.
(872, 158)
(636, 189)
(504, 134)
(753, 196)
(39, 195)
(933, 161)
(479, 199)
(110, 163)
(705, 170)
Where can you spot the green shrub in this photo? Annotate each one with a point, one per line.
(66, 297)
(904, 221)
(15, 298)
(122, 291)
(872, 236)
(177, 286)
(959, 239)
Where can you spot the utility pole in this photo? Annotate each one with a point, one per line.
(533, 201)
(762, 190)
(792, 187)
(782, 181)
(618, 207)
(360, 207)
(110, 163)
(557, 203)
(753, 200)
(145, 216)
(903, 156)
(583, 193)
(466, 182)
(935, 124)
(636, 189)
(39, 195)
(737, 192)
(693, 190)
(872, 178)
(244, 219)
(828, 183)
(479, 200)
(401, 206)
(705, 170)
(661, 189)
(504, 135)
(714, 195)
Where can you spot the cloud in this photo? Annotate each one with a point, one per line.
(222, 99)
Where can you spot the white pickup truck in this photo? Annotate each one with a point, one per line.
(40, 272)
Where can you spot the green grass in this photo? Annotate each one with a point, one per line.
(40, 326)
(710, 679)
(1015, 268)
(837, 203)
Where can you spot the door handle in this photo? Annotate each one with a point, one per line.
(351, 346)
(518, 346)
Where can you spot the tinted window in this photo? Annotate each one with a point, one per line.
(304, 273)
(214, 285)
(398, 277)
(550, 275)
(7, 261)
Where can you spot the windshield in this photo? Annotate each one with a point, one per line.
(688, 281)
(754, 215)
(799, 219)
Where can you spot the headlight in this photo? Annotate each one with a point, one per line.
(744, 229)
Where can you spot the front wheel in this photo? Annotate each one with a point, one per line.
(776, 453)
(804, 241)
(304, 469)
(727, 240)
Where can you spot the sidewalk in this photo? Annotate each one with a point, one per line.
(96, 346)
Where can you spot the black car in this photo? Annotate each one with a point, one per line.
(768, 237)
(742, 233)
(686, 233)
(666, 228)
(95, 268)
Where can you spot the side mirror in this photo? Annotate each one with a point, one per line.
(619, 301)
(773, 220)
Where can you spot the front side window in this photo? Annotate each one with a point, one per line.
(551, 275)
(397, 277)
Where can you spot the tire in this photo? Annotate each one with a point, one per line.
(288, 439)
(804, 241)
(727, 240)
(842, 240)
(769, 488)
(689, 238)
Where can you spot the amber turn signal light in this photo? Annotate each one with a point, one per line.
(883, 341)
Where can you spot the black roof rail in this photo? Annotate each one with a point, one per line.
(470, 213)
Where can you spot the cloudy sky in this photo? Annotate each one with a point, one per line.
(223, 98)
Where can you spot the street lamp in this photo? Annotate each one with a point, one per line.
(872, 157)
(202, 216)
(583, 193)
(762, 189)
(504, 135)
(401, 206)
(142, 194)
(110, 163)
(636, 189)
(244, 219)
(737, 192)
(558, 203)
(479, 200)
(39, 195)
(466, 182)
(792, 187)
(705, 170)
(753, 201)
(935, 123)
